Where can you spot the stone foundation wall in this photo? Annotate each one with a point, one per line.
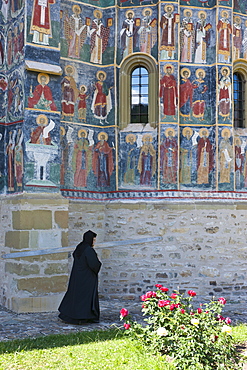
(203, 248)
(31, 223)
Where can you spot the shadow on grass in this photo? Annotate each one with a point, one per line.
(60, 340)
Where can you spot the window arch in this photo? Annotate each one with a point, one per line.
(149, 90)
(240, 93)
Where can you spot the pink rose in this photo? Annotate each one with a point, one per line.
(150, 294)
(158, 286)
(220, 317)
(126, 326)
(182, 310)
(174, 296)
(162, 303)
(124, 312)
(143, 297)
(192, 293)
(222, 300)
(164, 289)
(199, 310)
(228, 320)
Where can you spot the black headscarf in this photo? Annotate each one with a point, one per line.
(86, 241)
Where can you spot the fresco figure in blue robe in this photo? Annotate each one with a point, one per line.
(199, 96)
(186, 156)
(168, 157)
(103, 164)
(239, 162)
(131, 157)
(186, 94)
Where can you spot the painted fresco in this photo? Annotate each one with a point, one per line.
(43, 23)
(88, 33)
(138, 153)
(240, 6)
(133, 3)
(169, 92)
(15, 96)
(224, 95)
(3, 155)
(226, 159)
(42, 92)
(14, 158)
(169, 20)
(138, 32)
(196, 167)
(16, 7)
(197, 36)
(91, 154)
(4, 11)
(224, 28)
(15, 43)
(197, 95)
(88, 95)
(42, 150)
(2, 48)
(168, 156)
(240, 151)
(3, 97)
(199, 3)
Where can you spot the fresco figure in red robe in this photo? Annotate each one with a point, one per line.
(168, 92)
(41, 97)
(186, 94)
(103, 164)
(41, 21)
(224, 38)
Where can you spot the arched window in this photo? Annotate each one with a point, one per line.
(138, 100)
(239, 99)
(139, 95)
(240, 93)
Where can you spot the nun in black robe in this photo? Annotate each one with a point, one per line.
(81, 302)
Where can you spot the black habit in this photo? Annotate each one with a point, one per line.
(81, 302)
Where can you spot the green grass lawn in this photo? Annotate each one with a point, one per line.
(96, 350)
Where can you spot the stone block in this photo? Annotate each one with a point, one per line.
(47, 303)
(42, 220)
(105, 253)
(27, 220)
(22, 269)
(17, 239)
(64, 239)
(56, 268)
(43, 285)
(61, 219)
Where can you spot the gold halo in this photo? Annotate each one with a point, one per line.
(201, 131)
(40, 116)
(84, 87)
(170, 129)
(46, 76)
(97, 11)
(127, 139)
(228, 70)
(170, 6)
(81, 131)
(224, 11)
(186, 11)
(187, 129)
(62, 130)
(202, 12)
(185, 70)
(103, 133)
(145, 9)
(129, 11)
(236, 17)
(75, 7)
(237, 138)
(224, 131)
(66, 69)
(101, 72)
(167, 66)
(200, 70)
(144, 138)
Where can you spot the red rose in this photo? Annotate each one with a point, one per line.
(222, 300)
(228, 320)
(126, 326)
(199, 310)
(150, 294)
(174, 296)
(192, 293)
(158, 286)
(124, 312)
(172, 306)
(162, 303)
(182, 310)
(143, 297)
(164, 289)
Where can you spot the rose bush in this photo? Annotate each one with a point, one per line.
(193, 337)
